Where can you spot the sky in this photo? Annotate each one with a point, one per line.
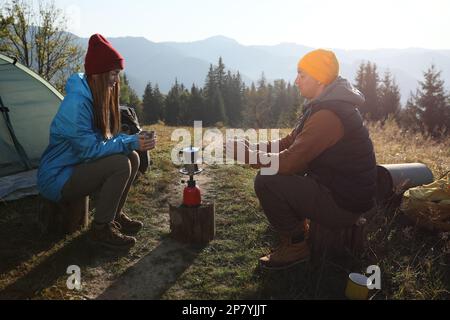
(343, 24)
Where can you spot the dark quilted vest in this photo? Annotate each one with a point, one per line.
(348, 168)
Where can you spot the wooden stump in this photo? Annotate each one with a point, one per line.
(334, 243)
(192, 225)
(63, 217)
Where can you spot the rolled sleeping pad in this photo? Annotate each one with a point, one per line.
(402, 176)
(385, 187)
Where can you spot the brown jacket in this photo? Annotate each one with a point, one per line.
(321, 131)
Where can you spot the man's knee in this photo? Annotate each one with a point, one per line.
(261, 182)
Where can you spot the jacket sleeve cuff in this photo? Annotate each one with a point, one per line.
(135, 142)
(130, 142)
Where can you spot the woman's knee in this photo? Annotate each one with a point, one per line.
(120, 163)
(134, 160)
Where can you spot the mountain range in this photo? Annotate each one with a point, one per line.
(188, 62)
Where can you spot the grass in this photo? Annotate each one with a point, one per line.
(414, 262)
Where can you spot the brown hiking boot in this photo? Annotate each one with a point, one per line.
(292, 249)
(286, 255)
(107, 235)
(128, 225)
(301, 233)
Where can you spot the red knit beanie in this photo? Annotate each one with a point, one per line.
(101, 57)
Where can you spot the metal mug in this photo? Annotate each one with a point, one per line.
(148, 134)
(357, 287)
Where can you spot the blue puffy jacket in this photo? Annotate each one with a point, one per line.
(74, 139)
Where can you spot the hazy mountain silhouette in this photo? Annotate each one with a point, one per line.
(189, 62)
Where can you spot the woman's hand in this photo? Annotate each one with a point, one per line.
(146, 144)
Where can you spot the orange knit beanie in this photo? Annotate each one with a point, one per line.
(320, 64)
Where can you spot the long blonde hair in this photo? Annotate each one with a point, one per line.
(106, 104)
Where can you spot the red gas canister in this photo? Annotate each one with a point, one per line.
(191, 195)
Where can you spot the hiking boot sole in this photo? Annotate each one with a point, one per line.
(130, 231)
(290, 265)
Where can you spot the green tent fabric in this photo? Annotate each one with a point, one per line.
(28, 105)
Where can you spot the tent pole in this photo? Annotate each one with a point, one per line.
(20, 150)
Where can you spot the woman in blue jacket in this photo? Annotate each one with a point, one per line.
(87, 154)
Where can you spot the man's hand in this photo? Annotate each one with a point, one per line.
(233, 146)
(256, 166)
(249, 155)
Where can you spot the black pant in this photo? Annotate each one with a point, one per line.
(288, 200)
(110, 178)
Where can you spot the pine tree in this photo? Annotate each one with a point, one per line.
(262, 82)
(152, 104)
(280, 104)
(134, 98)
(232, 93)
(432, 102)
(250, 106)
(389, 97)
(128, 96)
(289, 117)
(159, 103)
(210, 83)
(257, 104)
(184, 113)
(360, 78)
(216, 109)
(124, 98)
(409, 116)
(196, 106)
(264, 103)
(173, 105)
(367, 81)
(147, 101)
(219, 75)
(371, 92)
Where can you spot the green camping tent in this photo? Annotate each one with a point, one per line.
(28, 104)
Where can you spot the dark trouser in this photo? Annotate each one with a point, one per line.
(110, 178)
(288, 200)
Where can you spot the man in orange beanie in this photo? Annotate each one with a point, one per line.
(327, 168)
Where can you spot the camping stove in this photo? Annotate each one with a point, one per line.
(191, 193)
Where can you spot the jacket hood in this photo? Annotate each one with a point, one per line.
(342, 90)
(77, 84)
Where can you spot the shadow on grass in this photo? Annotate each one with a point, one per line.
(324, 279)
(29, 275)
(20, 238)
(30, 263)
(73, 251)
(156, 272)
(304, 281)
